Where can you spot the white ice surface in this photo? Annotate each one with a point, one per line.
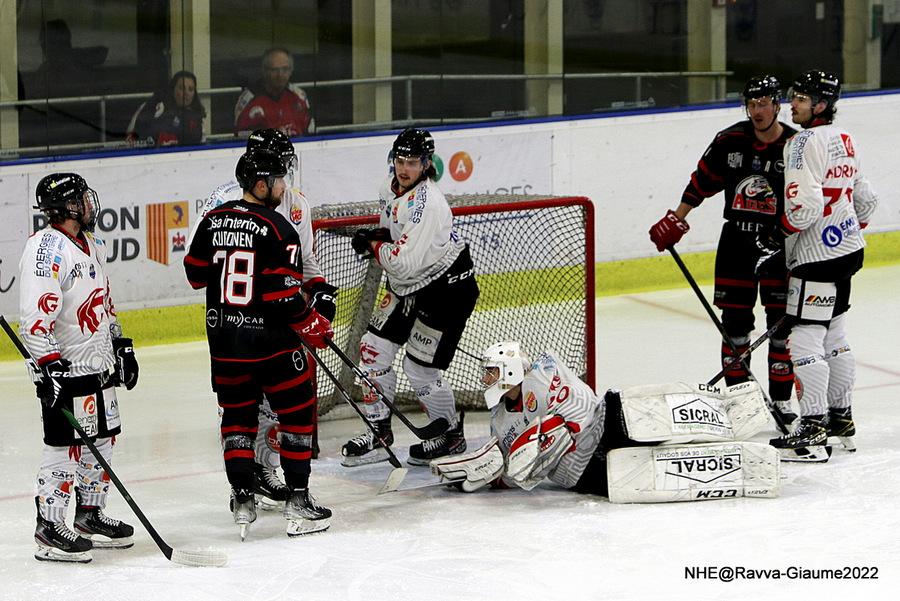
(437, 544)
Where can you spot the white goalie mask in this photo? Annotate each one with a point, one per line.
(510, 363)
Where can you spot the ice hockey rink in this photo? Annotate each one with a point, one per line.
(436, 543)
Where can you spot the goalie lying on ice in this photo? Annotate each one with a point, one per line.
(660, 443)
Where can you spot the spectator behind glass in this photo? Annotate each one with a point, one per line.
(172, 116)
(274, 102)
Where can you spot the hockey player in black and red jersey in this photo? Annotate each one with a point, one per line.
(828, 202)
(659, 443)
(249, 259)
(69, 326)
(295, 208)
(746, 162)
(431, 294)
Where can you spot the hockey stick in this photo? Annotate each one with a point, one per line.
(399, 472)
(765, 336)
(430, 430)
(188, 558)
(426, 484)
(776, 415)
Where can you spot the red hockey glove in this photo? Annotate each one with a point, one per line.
(314, 329)
(668, 231)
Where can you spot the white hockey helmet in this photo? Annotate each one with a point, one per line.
(511, 362)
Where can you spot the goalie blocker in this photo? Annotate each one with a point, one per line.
(661, 443)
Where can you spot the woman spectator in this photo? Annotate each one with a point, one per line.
(173, 116)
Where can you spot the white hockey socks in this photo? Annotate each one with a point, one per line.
(807, 345)
(93, 485)
(841, 364)
(433, 392)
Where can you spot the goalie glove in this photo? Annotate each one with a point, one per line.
(472, 470)
(537, 451)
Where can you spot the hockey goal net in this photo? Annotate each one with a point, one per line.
(534, 263)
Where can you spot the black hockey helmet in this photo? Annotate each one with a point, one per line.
(763, 85)
(259, 164)
(413, 143)
(818, 85)
(63, 196)
(275, 140)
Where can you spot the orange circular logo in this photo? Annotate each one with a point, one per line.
(460, 166)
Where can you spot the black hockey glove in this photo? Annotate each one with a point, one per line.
(126, 363)
(53, 377)
(361, 239)
(770, 244)
(322, 298)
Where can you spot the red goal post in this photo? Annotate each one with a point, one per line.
(534, 263)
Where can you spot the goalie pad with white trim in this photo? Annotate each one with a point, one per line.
(693, 472)
(682, 413)
(472, 470)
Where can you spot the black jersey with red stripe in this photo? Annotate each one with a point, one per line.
(248, 258)
(750, 172)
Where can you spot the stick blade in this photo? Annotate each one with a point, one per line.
(394, 480)
(199, 558)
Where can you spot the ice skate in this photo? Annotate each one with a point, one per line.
(270, 490)
(243, 507)
(806, 443)
(103, 531)
(364, 448)
(304, 514)
(56, 542)
(451, 442)
(840, 425)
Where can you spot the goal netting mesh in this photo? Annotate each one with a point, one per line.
(534, 266)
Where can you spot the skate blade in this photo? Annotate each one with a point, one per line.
(373, 456)
(301, 526)
(51, 554)
(267, 504)
(245, 528)
(845, 441)
(813, 454)
(103, 542)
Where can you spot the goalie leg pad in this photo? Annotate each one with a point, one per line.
(683, 413)
(693, 472)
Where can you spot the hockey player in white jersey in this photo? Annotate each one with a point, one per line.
(661, 443)
(68, 324)
(828, 201)
(431, 294)
(295, 207)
